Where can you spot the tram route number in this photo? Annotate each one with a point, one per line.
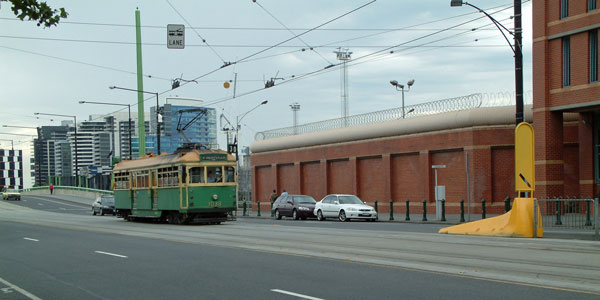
(214, 204)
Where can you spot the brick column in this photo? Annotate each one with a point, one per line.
(354, 175)
(324, 177)
(549, 164)
(275, 177)
(298, 172)
(427, 177)
(481, 176)
(586, 155)
(386, 176)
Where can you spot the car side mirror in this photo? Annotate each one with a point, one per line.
(290, 202)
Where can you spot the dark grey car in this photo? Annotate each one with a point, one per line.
(104, 205)
(295, 206)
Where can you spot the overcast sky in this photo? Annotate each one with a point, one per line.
(50, 70)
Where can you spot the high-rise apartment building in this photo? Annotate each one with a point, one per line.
(11, 169)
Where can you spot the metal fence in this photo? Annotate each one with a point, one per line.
(570, 214)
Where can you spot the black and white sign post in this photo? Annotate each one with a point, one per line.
(175, 36)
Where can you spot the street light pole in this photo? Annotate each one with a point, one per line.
(75, 126)
(517, 50)
(129, 114)
(400, 87)
(157, 112)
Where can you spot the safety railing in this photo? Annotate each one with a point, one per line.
(570, 214)
(71, 188)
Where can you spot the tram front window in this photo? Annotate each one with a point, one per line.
(214, 174)
(230, 174)
(197, 175)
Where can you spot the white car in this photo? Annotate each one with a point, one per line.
(11, 194)
(344, 207)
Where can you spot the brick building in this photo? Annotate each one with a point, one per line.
(565, 79)
(392, 160)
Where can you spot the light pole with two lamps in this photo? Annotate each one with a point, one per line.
(117, 104)
(157, 113)
(75, 126)
(517, 50)
(400, 87)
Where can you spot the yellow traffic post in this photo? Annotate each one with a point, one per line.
(518, 222)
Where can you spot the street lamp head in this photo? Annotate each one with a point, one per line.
(456, 3)
(81, 102)
(394, 83)
(411, 82)
(264, 102)
(36, 114)
(112, 87)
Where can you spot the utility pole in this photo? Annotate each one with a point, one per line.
(295, 108)
(343, 55)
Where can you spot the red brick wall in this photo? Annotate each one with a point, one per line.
(406, 178)
(571, 171)
(311, 180)
(454, 176)
(370, 182)
(503, 174)
(287, 179)
(339, 182)
(265, 183)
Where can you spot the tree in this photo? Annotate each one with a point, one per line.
(38, 11)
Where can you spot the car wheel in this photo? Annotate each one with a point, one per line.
(303, 218)
(277, 215)
(93, 211)
(320, 215)
(295, 215)
(342, 216)
(102, 212)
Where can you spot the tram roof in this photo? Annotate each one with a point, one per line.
(166, 159)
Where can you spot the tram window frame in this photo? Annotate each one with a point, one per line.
(168, 177)
(218, 174)
(142, 179)
(122, 181)
(194, 177)
(227, 172)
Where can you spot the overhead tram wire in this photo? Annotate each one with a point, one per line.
(313, 73)
(293, 33)
(195, 31)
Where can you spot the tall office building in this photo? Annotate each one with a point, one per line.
(202, 127)
(11, 169)
(44, 151)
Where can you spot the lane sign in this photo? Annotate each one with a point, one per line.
(175, 36)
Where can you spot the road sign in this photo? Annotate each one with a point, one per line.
(232, 148)
(175, 36)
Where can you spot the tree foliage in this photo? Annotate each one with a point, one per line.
(38, 11)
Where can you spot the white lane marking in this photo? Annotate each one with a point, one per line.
(40, 204)
(62, 208)
(31, 239)
(112, 254)
(295, 294)
(20, 290)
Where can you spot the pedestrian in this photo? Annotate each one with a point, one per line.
(51, 188)
(273, 197)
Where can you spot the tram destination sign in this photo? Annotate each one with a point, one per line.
(213, 157)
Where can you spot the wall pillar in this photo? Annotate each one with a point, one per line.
(354, 175)
(324, 175)
(298, 172)
(549, 163)
(386, 176)
(426, 176)
(586, 154)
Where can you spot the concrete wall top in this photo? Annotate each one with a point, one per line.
(483, 116)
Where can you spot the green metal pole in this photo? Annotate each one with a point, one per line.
(140, 86)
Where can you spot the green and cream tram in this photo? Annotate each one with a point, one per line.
(191, 186)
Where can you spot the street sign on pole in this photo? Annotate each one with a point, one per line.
(175, 36)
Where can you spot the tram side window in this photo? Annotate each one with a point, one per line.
(168, 177)
(229, 174)
(142, 179)
(122, 181)
(197, 175)
(214, 174)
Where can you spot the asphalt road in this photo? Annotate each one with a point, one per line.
(54, 263)
(58, 255)
(46, 203)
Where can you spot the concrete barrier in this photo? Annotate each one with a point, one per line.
(84, 194)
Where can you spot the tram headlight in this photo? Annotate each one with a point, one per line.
(215, 197)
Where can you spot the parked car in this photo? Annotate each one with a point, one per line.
(11, 194)
(344, 207)
(295, 206)
(104, 204)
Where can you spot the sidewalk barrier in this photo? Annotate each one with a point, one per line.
(506, 204)
(244, 207)
(424, 210)
(407, 211)
(391, 209)
(258, 208)
(272, 212)
(462, 210)
(483, 208)
(443, 210)
(376, 209)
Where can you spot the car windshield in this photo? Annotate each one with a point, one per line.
(304, 200)
(108, 200)
(349, 200)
